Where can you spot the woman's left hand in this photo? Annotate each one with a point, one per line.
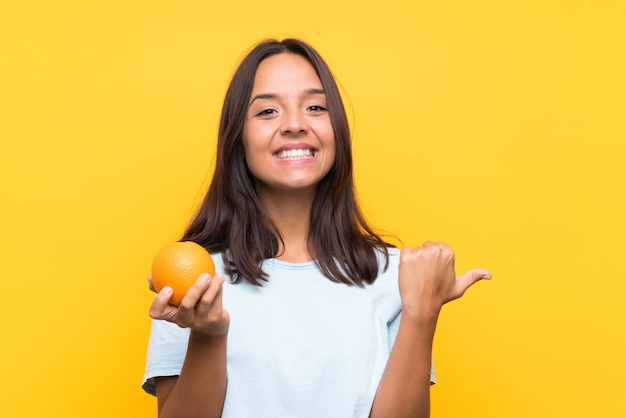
(428, 279)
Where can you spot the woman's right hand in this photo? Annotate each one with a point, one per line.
(200, 310)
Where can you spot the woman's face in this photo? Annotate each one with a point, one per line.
(288, 137)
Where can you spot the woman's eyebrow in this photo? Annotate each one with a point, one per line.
(263, 96)
(315, 91)
(311, 91)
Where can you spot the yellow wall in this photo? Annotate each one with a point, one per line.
(495, 126)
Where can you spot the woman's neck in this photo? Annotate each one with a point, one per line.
(291, 213)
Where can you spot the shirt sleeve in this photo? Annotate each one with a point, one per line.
(167, 348)
(393, 332)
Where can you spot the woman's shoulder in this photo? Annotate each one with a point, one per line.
(389, 256)
(388, 260)
(218, 261)
(393, 251)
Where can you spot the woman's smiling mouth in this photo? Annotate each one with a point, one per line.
(295, 154)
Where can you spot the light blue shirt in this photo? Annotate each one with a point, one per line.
(299, 346)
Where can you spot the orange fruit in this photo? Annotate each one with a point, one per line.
(179, 265)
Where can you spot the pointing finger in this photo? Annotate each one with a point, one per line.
(464, 281)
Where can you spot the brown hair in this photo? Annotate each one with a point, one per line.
(232, 219)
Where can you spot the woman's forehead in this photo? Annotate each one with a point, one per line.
(285, 71)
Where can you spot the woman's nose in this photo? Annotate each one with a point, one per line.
(294, 122)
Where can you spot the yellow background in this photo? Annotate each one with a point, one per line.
(495, 126)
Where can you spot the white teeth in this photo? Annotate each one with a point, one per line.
(295, 154)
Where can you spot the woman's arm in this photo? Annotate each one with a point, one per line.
(200, 389)
(404, 390)
(427, 281)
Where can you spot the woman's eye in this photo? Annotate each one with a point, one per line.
(317, 108)
(266, 112)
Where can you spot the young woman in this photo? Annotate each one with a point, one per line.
(318, 316)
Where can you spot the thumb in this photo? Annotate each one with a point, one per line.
(150, 284)
(464, 281)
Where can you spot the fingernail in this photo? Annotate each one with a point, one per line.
(205, 277)
(166, 290)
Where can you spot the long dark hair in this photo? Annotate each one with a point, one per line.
(232, 219)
